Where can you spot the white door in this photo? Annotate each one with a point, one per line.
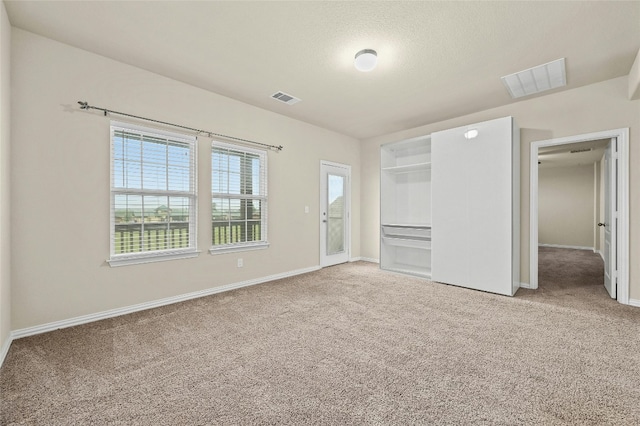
(471, 206)
(610, 218)
(334, 213)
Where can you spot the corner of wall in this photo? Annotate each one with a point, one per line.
(5, 200)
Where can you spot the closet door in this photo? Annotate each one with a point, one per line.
(472, 217)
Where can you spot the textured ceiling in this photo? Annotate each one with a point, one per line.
(437, 60)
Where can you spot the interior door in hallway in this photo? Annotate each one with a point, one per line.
(610, 218)
(334, 213)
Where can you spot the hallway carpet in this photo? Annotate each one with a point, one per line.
(348, 344)
(571, 278)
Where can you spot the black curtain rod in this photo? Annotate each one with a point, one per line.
(86, 106)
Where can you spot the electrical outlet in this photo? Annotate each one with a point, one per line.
(240, 263)
(306, 209)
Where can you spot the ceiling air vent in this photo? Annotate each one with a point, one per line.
(573, 151)
(286, 98)
(537, 79)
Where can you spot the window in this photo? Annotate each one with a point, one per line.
(153, 195)
(238, 198)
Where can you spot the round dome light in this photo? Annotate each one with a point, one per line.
(366, 60)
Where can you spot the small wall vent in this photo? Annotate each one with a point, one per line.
(574, 151)
(285, 98)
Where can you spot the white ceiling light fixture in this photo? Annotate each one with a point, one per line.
(537, 79)
(366, 60)
(470, 134)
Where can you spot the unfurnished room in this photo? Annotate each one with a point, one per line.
(319, 212)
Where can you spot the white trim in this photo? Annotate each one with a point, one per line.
(126, 260)
(238, 247)
(567, 247)
(600, 253)
(527, 286)
(30, 331)
(634, 302)
(153, 131)
(5, 349)
(622, 135)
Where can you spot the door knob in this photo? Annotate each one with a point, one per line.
(601, 224)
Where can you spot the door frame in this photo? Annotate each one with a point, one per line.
(347, 167)
(622, 232)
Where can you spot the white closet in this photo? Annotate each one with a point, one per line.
(405, 210)
(463, 182)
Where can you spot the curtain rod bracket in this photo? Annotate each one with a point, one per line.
(85, 106)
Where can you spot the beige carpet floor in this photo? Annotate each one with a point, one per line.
(348, 344)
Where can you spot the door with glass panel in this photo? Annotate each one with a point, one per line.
(334, 213)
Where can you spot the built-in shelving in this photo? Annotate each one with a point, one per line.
(405, 206)
(420, 271)
(407, 168)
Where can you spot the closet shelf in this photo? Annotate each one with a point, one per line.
(409, 269)
(408, 168)
(408, 225)
(414, 232)
(416, 243)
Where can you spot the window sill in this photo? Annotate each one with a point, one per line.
(238, 247)
(125, 260)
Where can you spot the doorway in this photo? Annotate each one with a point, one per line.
(616, 222)
(335, 213)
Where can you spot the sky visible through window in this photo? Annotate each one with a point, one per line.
(226, 172)
(336, 187)
(146, 163)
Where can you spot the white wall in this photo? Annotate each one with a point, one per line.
(566, 200)
(588, 109)
(5, 157)
(60, 184)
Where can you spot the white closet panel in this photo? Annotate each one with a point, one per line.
(475, 206)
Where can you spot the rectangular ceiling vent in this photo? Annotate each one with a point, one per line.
(286, 98)
(537, 79)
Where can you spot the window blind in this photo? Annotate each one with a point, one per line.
(153, 192)
(239, 196)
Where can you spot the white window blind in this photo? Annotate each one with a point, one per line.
(153, 194)
(239, 197)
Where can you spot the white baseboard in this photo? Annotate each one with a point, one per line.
(4, 350)
(634, 302)
(600, 253)
(567, 247)
(30, 331)
(370, 259)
